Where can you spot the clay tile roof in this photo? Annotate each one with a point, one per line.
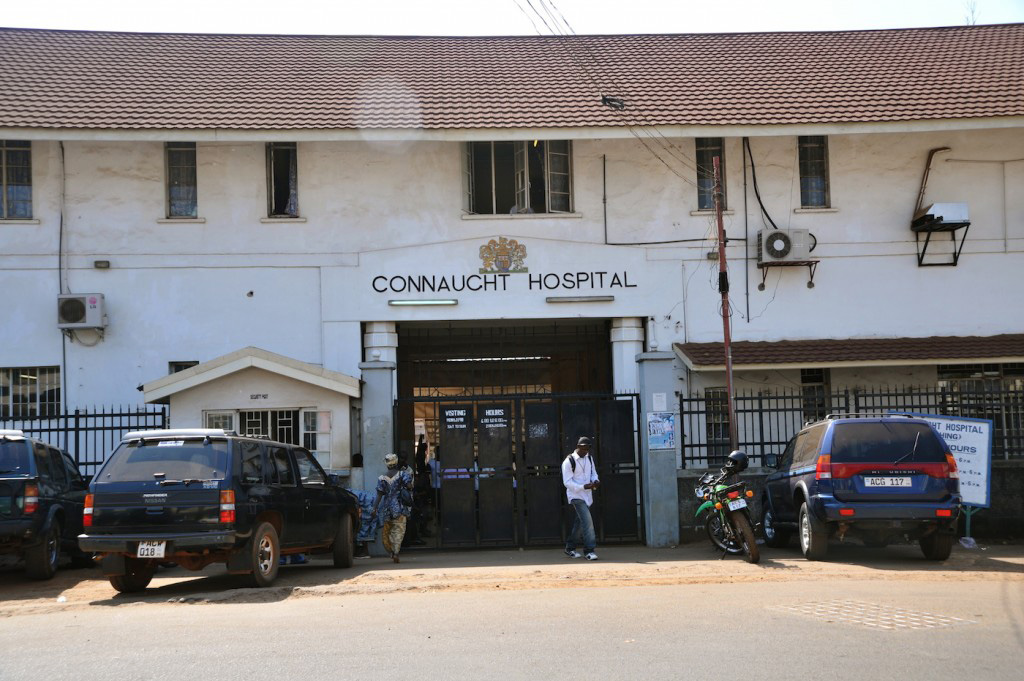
(100, 80)
(828, 352)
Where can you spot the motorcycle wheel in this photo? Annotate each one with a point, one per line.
(716, 533)
(751, 552)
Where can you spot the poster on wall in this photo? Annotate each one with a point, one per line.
(970, 442)
(661, 430)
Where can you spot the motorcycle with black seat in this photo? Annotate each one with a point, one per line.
(728, 514)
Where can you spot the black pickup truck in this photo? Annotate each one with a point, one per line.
(201, 496)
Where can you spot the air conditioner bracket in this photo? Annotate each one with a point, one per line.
(811, 265)
(930, 225)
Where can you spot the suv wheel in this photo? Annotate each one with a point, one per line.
(773, 536)
(41, 560)
(266, 552)
(137, 576)
(937, 546)
(343, 547)
(813, 535)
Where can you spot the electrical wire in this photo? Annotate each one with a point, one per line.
(753, 181)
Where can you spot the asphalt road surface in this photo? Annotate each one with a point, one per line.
(640, 613)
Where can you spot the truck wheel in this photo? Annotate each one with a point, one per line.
(937, 546)
(41, 560)
(265, 554)
(137, 576)
(813, 535)
(343, 548)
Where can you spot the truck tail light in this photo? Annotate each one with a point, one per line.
(943, 512)
(87, 512)
(227, 506)
(31, 498)
(951, 463)
(823, 471)
(846, 511)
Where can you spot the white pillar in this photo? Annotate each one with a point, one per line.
(627, 342)
(380, 344)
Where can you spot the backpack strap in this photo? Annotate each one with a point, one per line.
(572, 462)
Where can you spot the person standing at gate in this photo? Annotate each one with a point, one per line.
(394, 493)
(580, 479)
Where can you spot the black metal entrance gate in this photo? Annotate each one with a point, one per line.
(496, 470)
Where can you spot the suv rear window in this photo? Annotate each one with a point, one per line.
(14, 458)
(167, 459)
(885, 442)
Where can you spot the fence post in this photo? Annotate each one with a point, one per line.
(77, 432)
(760, 423)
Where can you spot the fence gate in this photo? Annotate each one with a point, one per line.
(497, 476)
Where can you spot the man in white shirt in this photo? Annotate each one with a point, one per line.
(580, 479)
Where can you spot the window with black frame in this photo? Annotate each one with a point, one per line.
(814, 182)
(15, 180)
(282, 180)
(707, 148)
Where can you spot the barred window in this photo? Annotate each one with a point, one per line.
(716, 422)
(814, 387)
(814, 190)
(29, 392)
(15, 180)
(707, 149)
(182, 194)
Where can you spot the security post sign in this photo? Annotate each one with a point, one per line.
(970, 443)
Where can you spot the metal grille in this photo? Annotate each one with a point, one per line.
(766, 420)
(90, 435)
(29, 392)
(281, 425)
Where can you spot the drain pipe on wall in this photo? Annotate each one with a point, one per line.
(746, 235)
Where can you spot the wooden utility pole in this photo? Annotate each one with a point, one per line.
(723, 288)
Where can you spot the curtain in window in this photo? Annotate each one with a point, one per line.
(17, 180)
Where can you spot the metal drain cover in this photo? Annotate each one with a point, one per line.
(873, 615)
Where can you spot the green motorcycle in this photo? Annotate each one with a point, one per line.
(728, 514)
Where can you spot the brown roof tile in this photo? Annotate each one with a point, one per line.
(826, 352)
(76, 79)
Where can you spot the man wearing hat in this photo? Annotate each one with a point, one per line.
(580, 479)
(394, 489)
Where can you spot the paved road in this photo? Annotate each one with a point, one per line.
(519, 615)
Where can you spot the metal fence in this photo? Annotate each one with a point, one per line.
(766, 420)
(89, 435)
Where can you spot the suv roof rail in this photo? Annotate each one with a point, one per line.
(11, 433)
(890, 414)
(177, 432)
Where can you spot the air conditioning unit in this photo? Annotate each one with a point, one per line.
(81, 311)
(777, 245)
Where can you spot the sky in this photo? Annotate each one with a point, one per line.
(501, 17)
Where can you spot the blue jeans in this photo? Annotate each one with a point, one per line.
(582, 528)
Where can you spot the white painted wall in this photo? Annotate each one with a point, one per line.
(179, 291)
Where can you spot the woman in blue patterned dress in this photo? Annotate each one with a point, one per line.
(393, 506)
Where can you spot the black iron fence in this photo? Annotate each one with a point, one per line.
(766, 420)
(89, 435)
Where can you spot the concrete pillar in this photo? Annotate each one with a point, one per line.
(380, 343)
(660, 488)
(627, 342)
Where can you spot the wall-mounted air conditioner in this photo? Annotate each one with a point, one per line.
(777, 245)
(81, 311)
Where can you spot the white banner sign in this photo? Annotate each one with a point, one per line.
(970, 443)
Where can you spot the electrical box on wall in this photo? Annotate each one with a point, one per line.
(81, 311)
(776, 245)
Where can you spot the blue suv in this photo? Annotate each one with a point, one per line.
(879, 477)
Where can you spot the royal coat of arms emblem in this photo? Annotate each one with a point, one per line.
(501, 256)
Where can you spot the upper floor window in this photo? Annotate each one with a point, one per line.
(29, 392)
(282, 180)
(814, 171)
(182, 197)
(16, 180)
(707, 149)
(518, 177)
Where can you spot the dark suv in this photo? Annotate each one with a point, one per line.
(41, 497)
(880, 477)
(196, 497)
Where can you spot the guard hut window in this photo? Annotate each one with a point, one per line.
(16, 180)
(707, 149)
(182, 195)
(282, 180)
(814, 191)
(814, 389)
(518, 177)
